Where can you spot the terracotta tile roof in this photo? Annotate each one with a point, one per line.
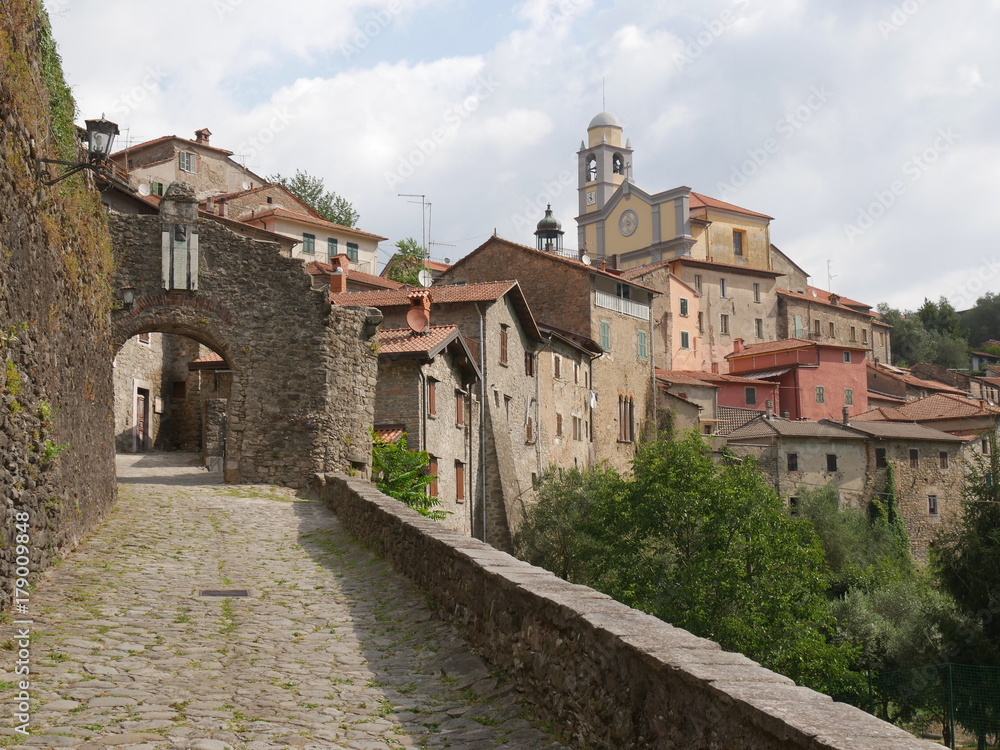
(146, 144)
(209, 357)
(260, 188)
(487, 291)
(703, 201)
(209, 361)
(903, 431)
(389, 434)
(284, 213)
(913, 381)
(694, 377)
(319, 268)
(680, 377)
(574, 339)
(938, 406)
(991, 381)
(778, 426)
(594, 269)
(767, 347)
(433, 265)
(407, 341)
(879, 396)
(733, 417)
(705, 263)
(819, 296)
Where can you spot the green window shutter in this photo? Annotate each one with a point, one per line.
(605, 335)
(331, 247)
(352, 252)
(643, 345)
(309, 244)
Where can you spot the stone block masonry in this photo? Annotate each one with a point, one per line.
(608, 675)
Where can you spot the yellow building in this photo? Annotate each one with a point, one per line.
(622, 222)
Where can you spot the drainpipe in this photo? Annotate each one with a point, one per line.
(422, 402)
(538, 407)
(482, 411)
(652, 371)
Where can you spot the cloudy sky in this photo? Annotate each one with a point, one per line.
(869, 130)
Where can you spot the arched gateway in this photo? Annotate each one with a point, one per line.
(303, 372)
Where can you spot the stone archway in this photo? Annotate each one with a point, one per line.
(303, 372)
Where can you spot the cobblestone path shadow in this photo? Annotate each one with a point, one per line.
(331, 649)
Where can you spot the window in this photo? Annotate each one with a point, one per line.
(831, 461)
(816, 327)
(157, 188)
(724, 325)
(723, 288)
(556, 366)
(459, 409)
(432, 470)
(431, 397)
(854, 333)
(144, 339)
(624, 291)
(684, 306)
(626, 419)
(697, 282)
(352, 252)
(985, 447)
(591, 168)
(848, 397)
(751, 396)
(529, 430)
(558, 424)
(793, 461)
(864, 335)
(701, 323)
(756, 292)
(577, 428)
(179, 390)
(943, 459)
(506, 406)
(685, 340)
(331, 247)
(188, 162)
(833, 329)
(880, 459)
(617, 164)
(932, 505)
(847, 357)
(309, 244)
(576, 372)
(820, 394)
(643, 345)
(881, 338)
(529, 364)
(606, 335)
(737, 242)
(503, 344)
(793, 506)
(459, 481)
(758, 327)
(914, 458)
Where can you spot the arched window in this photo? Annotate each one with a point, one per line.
(591, 168)
(626, 418)
(618, 164)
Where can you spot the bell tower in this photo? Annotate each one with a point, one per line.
(604, 162)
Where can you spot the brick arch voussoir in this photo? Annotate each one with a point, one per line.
(199, 318)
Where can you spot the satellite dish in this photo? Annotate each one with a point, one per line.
(246, 185)
(425, 278)
(416, 319)
(585, 259)
(144, 189)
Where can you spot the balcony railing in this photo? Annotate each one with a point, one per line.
(621, 305)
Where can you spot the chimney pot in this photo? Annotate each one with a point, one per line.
(786, 414)
(338, 280)
(738, 346)
(847, 415)
(223, 208)
(202, 136)
(769, 409)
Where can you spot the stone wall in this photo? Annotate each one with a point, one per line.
(56, 428)
(303, 374)
(607, 675)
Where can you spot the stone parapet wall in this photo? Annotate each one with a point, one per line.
(609, 676)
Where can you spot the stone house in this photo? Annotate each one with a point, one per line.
(901, 384)
(338, 275)
(815, 380)
(504, 339)
(958, 415)
(819, 315)
(710, 391)
(426, 387)
(594, 304)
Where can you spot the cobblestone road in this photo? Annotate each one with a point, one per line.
(330, 650)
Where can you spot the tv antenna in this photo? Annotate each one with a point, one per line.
(424, 205)
(830, 275)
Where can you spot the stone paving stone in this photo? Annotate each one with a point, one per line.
(331, 650)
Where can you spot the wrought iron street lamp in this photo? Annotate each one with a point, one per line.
(100, 140)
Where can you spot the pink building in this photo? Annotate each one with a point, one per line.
(815, 381)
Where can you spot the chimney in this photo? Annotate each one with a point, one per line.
(420, 299)
(202, 136)
(847, 415)
(604, 264)
(210, 205)
(769, 409)
(786, 415)
(340, 261)
(338, 280)
(223, 208)
(738, 346)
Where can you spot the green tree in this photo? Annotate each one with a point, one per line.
(402, 473)
(313, 192)
(912, 342)
(982, 321)
(408, 262)
(940, 317)
(703, 546)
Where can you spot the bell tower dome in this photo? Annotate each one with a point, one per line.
(604, 162)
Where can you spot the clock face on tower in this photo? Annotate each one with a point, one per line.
(591, 197)
(628, 223)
